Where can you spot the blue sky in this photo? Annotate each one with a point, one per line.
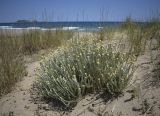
(77, 10)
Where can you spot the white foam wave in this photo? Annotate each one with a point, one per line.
(100, 27)
(5, 27)
(70, 28)
(33, 28)
(10, 28)
(45, 29)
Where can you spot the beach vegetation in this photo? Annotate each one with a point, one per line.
(85, 67)
(15, 44)
(11, 63)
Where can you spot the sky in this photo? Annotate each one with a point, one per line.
(77, 10)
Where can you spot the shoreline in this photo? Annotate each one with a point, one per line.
(74, 29)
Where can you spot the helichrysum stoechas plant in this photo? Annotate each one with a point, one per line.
(82, 68)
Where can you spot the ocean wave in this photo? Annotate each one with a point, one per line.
(70, 28)
(33, 28)
(10, 27)
(45, 29)
(100, 27)
(5, 27)
(27, 28)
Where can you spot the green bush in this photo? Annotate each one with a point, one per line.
(83, 68)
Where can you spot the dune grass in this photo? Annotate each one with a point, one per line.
(13, 46)
(148, 32)
(35, 40)
(11, 63)
(153, 31)
(141, 34)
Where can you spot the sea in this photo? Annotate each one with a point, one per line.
(75, 26)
